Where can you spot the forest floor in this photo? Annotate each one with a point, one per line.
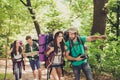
(27, 74)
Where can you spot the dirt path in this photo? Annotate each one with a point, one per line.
(27, 74)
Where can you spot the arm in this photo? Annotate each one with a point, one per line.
(23, 52)
(67, 54)
(93, 38)
(49, 50)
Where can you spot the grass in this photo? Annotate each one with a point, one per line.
(8, 76)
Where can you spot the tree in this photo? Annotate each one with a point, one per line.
(114, 16)
(99, 17)
(32, 12)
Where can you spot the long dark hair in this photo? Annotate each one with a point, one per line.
(14, 48)
(62, 44)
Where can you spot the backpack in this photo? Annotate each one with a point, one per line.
(44, 40)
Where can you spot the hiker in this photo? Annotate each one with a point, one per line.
(76, 54)
(57, 47)
(17, 59)
(30, 47)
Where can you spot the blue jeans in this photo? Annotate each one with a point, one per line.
(17, 70)
(85, 68)
(34, 63)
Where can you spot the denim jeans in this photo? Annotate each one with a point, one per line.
(17, 70)
(34, 64)
(86, 70)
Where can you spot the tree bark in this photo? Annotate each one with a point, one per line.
(32, 12)
(99, 17)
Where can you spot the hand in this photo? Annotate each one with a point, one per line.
(103, 36)
(79, 58)
(51, 49)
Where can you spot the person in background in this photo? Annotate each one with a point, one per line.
(76, 54)
(17, 59)
(32, 46)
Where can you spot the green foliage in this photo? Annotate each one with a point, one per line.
(52, 18)
(112, 5)
(82, 10)
(113, 16)
(16, 21)
(103, 56)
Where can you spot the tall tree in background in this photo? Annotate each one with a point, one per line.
(99, 17)
(32, 12)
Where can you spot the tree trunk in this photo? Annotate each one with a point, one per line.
(118, 18)
(32, 12)
(99, 17)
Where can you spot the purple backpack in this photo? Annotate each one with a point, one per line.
(42, 46)
(44, 40)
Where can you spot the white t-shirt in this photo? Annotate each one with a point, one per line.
(58, 57)
(18, 56)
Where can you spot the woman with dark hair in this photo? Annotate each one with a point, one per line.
(57, 47)
(17, 59)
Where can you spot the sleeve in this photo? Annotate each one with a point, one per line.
(83, 38)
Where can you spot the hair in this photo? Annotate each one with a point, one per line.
(62, 44)
(28, 37)
(14, 48)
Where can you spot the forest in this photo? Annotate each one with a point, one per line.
(19, 18)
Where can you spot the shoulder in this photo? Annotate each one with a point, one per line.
(83, 38)
(67, 43)
(35, 43)
(27, 44)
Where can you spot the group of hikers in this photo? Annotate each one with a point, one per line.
(72, 49)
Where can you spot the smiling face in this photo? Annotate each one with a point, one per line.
(72, 35)
(60, 37)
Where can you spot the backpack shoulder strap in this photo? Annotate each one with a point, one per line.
(80, 41)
